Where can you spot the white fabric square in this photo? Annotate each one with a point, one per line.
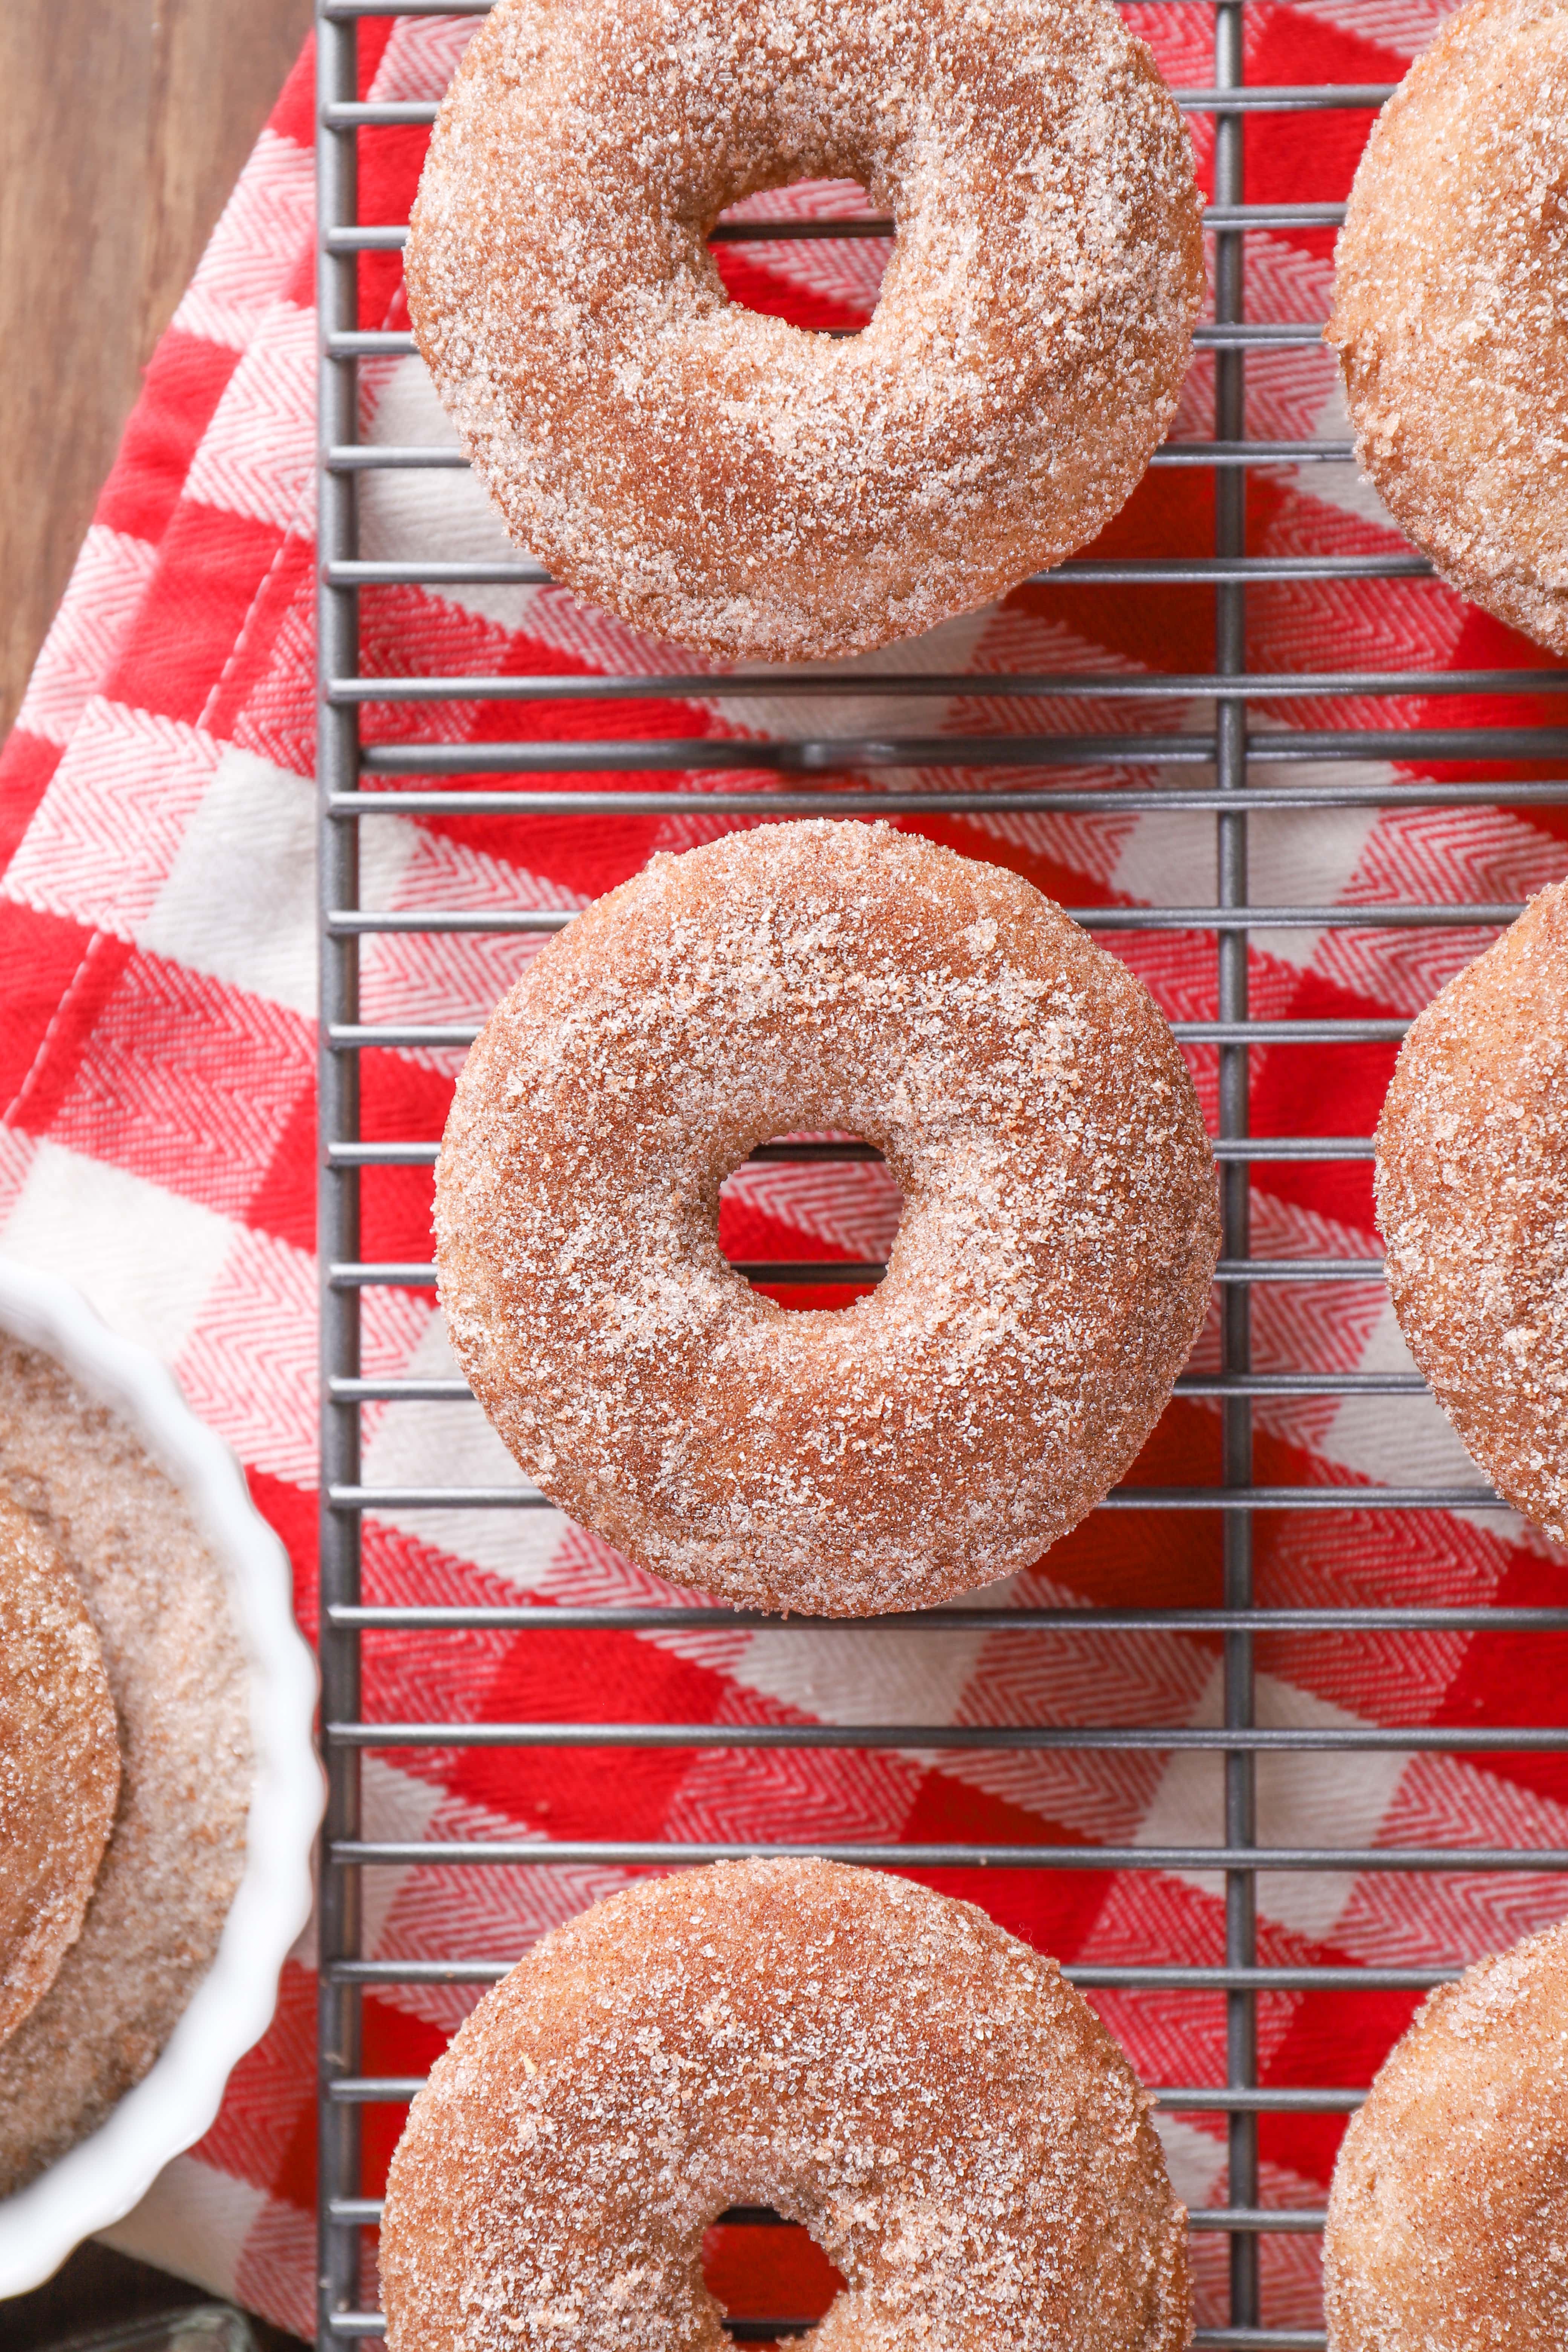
(1300, 855)
(1403, 25)
(194, 2221)
(258, 456)
(421, 57)
(1400, 1441)
(76, 1218)
(248, 1367)
(99, 604)
(18, 1153)
(1341, 484)
(454, 1445)
(397, 1810)
(863, 1676)
(1302, 1801)
(240, 897)
(1196, 2159)
(107, 831)
(409, 515)
(258, 239)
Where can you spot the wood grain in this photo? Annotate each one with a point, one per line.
(123, 127)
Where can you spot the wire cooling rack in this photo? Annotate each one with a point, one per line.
(1225, 736)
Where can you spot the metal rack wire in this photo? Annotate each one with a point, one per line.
(1227, 744)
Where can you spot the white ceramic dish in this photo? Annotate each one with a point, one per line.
(173, 2104)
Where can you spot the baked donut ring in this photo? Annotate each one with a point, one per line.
(732, 481)
(929, 2097)
(1447, 2227)
(59, 1763)
(1451, 309)
(160, 1606)
(1052, 1269)
(1472, 1198)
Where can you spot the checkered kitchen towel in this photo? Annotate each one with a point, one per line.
(156, 1069)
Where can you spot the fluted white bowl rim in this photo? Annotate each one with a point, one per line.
(99, 2181)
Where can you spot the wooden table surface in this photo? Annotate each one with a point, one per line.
(123, 127)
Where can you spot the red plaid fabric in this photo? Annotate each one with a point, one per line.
(156, 813)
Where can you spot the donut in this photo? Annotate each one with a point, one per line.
(1450, 309)
(735, 482)
(1471, 1177)
(929, 2097)
(159, 1607)
(1447, 2222)
(1052, 1268)
(59, 1763)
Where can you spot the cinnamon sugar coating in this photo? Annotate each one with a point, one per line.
(1447, 2227)
(926, 2096)
(1451, 308)
(1059, 1233)
(59, 1763)
(1472, 1198)
(740, 484)
(160, 1606)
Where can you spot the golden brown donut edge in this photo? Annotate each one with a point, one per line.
(1450, 309)
(1447, 2225)
(1472, 1199)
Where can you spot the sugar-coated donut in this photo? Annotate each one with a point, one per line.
(730, 480)
(1053, 1267)
(1451, 308)
(59, 1763)
(1472, 1197)
(1448, 2228)
(161, 1609)
(929, 2097)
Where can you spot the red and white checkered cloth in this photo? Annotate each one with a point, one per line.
(156, 1069)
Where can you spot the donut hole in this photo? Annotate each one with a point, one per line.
(825, 1201)
(829, 281)
(769, 2276)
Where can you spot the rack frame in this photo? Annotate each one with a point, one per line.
(1227, 747)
